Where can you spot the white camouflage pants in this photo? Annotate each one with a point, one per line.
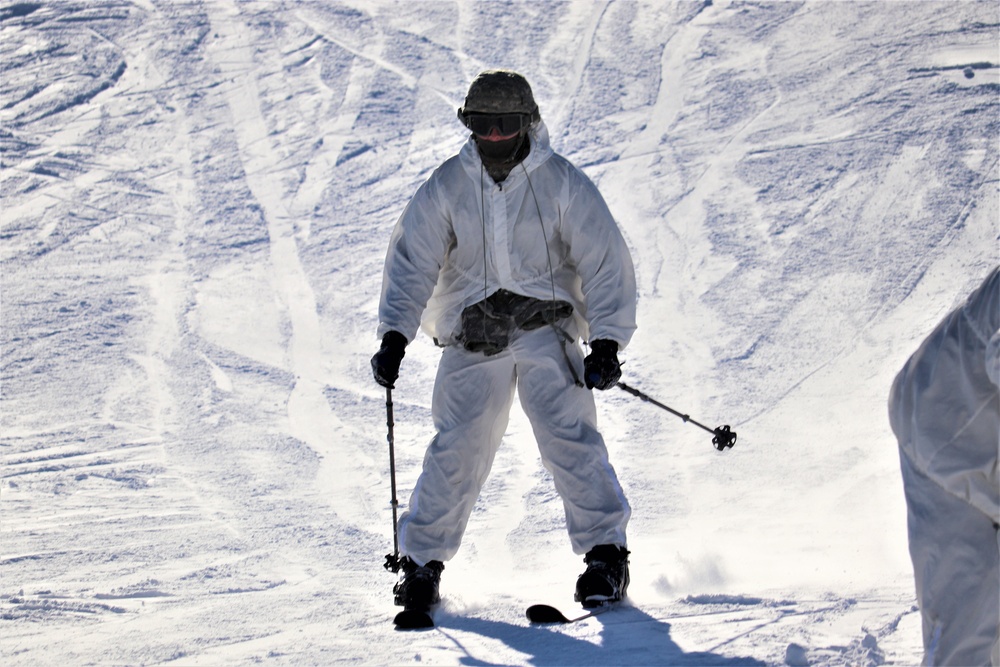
(955, 549)
(471, 405)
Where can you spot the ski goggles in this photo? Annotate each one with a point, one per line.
(505, 123)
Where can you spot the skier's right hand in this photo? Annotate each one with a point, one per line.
(385, 363)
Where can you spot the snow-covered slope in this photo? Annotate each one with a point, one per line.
(196, 201)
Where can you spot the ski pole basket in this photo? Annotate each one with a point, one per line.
(723, 437)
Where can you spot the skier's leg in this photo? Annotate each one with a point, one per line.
(564, 420)
(956, 565)
(470, 408)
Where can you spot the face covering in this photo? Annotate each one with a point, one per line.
(500, 157)
(498, 151)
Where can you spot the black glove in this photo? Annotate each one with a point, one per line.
(601, 369)
(385, 363)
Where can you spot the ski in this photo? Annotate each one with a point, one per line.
(543, 613)
(413, 619)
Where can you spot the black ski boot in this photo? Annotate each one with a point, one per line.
(418, 588)
(606, 577)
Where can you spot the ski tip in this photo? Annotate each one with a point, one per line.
(413, 619)
(543, 613)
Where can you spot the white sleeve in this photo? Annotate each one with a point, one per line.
(603, 262)
(417, 249)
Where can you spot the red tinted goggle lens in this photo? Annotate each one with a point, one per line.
(508, 123)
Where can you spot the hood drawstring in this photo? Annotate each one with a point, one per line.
(561, 334)
(559, 331)
(482, 205)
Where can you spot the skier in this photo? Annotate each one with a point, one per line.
(506, 256)
(945, 411)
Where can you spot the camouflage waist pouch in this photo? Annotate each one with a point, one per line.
(488, 325)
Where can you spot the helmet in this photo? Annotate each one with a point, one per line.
(500, 92)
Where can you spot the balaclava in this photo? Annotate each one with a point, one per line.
(501, 92)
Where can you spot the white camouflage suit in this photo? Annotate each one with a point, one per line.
(548, 235)
(945, 411)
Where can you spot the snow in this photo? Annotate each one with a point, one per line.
(197, 198)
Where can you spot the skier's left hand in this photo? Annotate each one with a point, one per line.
(601, 369)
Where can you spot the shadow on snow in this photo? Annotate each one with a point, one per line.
(629, 637)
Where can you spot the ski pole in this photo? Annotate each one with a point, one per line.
(723, 436)
(392, 560)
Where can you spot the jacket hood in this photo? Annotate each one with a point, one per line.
(541, 151)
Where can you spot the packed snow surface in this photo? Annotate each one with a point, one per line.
(197, 197)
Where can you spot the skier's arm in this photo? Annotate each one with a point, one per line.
(417, 248)
(603, 262)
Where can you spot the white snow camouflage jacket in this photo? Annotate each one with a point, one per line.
(945, 403)
(546, 229)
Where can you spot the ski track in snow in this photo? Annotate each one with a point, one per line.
(311, 419)
(196, 202)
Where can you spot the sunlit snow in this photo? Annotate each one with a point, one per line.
(196, 201)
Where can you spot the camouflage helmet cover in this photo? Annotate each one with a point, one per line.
(500, 91)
